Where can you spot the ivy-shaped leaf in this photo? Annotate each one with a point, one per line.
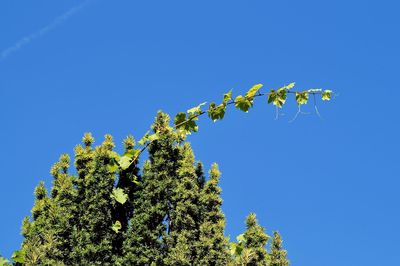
(326, 95)
(216, 112)
(153, 137)
(302, 97)
(227, 97)
(253, 91)
(289, 86)
(196, 110)
(18, 256)
(119, 195)
(144, 139)
(124, 162)
(188, 125)
(180, 118)
(131, 153)
(243, 103)
(116, 227)
(113, 165)
(277, 98)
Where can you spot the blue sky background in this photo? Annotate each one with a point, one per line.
(328, 185)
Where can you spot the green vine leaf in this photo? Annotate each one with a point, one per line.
(124, 162)
(302, 97)
(253, 91)
(18, 256)
(326, 95)
(277, 98)
(119, 195)
(116, 227)
(216, 112)
(113, 165)
(227, 97)
(188, 125)
(243, 103)
(196, 110)
(289, 86)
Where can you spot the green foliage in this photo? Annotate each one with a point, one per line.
(168, 215)
(326, 95)
(277, 98)
(186, 123)
(253, 91)
(119, 195)
(196, 110)
(18, 256)
(243, 103)
(278, 255)
(216, 112)
(116, 226)
(302, 97)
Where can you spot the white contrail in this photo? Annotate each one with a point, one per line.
(51, 26)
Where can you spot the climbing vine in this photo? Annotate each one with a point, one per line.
(185, 123)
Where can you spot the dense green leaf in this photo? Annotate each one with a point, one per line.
(18, 256)
(180, 118)
(302, 97)
(188, 125)
(132, 153)
(227, 97)
(243, 103)
(253, 91)
(326, 95)
(119, 195)
(277, 98)
(124, 162)
(289, 86)
(116, 227)
(144, 139)
(216, 112)
(113, 165)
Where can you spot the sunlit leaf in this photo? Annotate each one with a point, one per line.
(227, 97)
(196, 110)
(18, 256)
(253, 91)
(302, 97)
(116, 227)
(326, 95)
(124, 162)
(119, 195)
(144, 139)
(113, 165)
(243, 103)
(216, 112)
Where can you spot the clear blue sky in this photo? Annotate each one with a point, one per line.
(330, 186)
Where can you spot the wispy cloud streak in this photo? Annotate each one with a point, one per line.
(51, 26)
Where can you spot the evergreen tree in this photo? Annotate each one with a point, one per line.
(170, 214)
(183, 224)
(212, 247)
(255, 240)
(152, 213)
(93, 237)
(278, 254)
